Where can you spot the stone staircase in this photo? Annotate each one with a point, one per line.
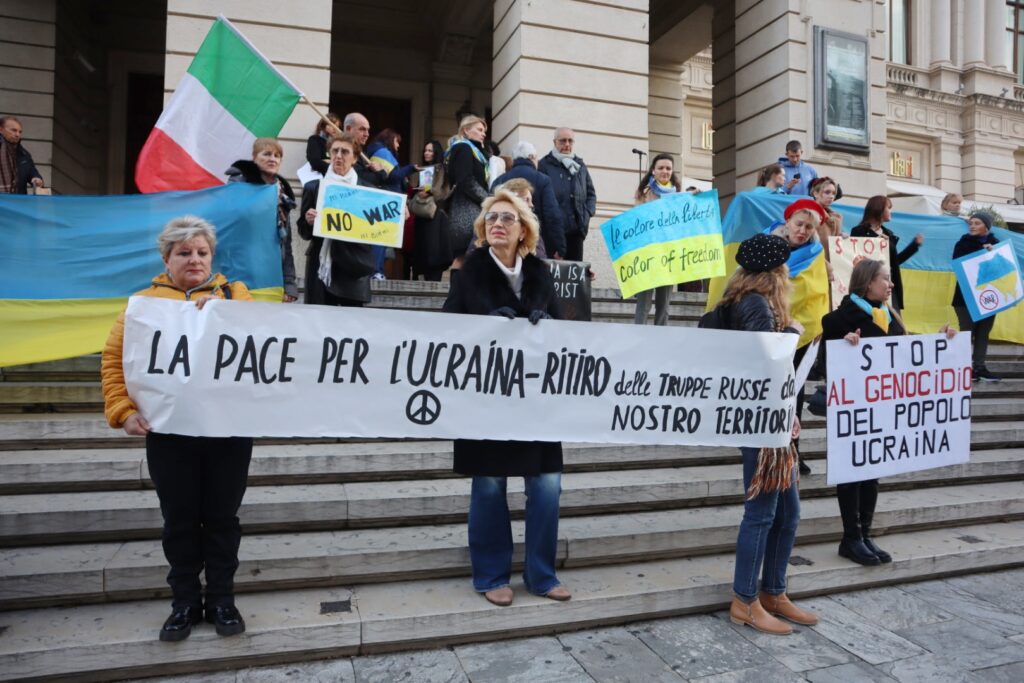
(358, 546)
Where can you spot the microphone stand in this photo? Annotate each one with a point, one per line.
(640, 160)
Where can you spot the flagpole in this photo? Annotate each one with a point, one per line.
(327, 120)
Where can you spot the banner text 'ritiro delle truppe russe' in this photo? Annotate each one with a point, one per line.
(258, 369)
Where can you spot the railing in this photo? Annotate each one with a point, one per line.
(1018, 92)
(901, 74)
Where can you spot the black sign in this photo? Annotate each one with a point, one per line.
(572, 282)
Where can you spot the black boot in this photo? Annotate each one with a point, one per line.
(226, 619)
(865, 530)
(179, 625)
(852, 546)
(855, 549)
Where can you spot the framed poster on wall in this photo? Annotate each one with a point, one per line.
(841, 107)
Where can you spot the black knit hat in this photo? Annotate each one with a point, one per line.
(983, 216)
(762, 253)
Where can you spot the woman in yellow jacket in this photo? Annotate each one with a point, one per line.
(200, 480)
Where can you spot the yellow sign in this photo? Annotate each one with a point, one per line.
(352, 213)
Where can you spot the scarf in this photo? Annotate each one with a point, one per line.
(659, 189)
(477, 154)
(514, 276)
(774, 471)
(8, 167)
(879, 314)
(568, 160)
(800, 258)
(324, 271)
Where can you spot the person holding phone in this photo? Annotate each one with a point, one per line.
(799, 174)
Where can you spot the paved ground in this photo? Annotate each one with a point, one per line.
(960, 629)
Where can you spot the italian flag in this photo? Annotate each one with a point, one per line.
(230, 95)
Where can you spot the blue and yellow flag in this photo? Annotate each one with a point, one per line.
(928, 279)
(68, 264)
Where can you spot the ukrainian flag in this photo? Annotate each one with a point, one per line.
(68, 264)
(928, 279)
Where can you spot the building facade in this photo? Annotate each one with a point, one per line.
(936, 106)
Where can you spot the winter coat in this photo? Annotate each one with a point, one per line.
(395, 177)
(850, 317)
(367, 177)
(467, 177)
(545, 204)
(247, 171)
(118, 406)
(24, 166)
(807, 174)
(344, 283)
(968, 244)
(576, 197)
(316, 153)
(480, 288)
(895, 258)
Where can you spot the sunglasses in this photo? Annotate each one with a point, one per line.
(503, 217)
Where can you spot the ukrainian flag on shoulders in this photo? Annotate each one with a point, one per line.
(69, 264)
(230, 95)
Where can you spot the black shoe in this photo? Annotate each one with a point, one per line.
(227, 620)
(983, 373)
(179, 625)
(882, 556)
(854, 549)
(804, 468)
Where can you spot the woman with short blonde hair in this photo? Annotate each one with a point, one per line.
(467, 175)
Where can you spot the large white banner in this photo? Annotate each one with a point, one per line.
(260, 369)
(897, 404)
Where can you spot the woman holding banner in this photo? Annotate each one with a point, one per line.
(659, 181)
(504, 278)
(877, 211)
(979, 236)
(200, 481)
(864, 313)
(337, 273)
(756, 300)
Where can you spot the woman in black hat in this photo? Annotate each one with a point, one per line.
(756, 299)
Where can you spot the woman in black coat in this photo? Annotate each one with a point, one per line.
(504, 278)
(337, 273)
(863, 313)
(877, 211)
(466, 174)
(263, 169)
(979, 236)
(316, 145)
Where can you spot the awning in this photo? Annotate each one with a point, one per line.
(901, 188)
(927, 199)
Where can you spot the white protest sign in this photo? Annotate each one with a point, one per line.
(258, 369)
(897, 404)
(844, 252)
(803, 371)
(352, 213)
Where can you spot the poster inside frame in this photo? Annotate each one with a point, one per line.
(842, 111)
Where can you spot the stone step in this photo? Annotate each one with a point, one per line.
(103, 468)
(124, 515)
(52, 575)
(118, 641)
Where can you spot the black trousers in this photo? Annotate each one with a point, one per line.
(857, 507)
(979, 334)
(200, 482)
(573, 246)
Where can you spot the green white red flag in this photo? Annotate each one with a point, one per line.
(230, 95)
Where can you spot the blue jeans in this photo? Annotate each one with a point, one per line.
(490, 533)
(379, 257)
(766, 536)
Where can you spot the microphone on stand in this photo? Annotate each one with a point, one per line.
(640, 154)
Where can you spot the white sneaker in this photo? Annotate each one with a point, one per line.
(378, 276)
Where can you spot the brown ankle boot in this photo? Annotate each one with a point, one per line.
(753, 615)
(780, 606)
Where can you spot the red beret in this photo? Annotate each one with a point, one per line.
(806, 205)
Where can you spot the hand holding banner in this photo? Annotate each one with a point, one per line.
(897, 404)
(677, 238)
(990, 280)
(352, 213)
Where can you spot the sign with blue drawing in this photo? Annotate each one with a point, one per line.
(353, 213)
(990, 280)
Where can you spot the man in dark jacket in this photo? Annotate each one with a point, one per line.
(17, 170)
(545, 204)
(573, 189)
(369, 172)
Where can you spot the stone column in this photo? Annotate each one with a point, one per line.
(27, 60)
(995, 34)
(940, 28)
(665, 111)
(582, 65)
(974, 36)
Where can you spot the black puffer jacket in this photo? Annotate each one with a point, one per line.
(480, 288)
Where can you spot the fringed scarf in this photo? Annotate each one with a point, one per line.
(324, 271)
(774, 471)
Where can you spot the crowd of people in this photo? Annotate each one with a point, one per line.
(492, 229)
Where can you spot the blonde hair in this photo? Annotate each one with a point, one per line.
(183, 229)
(468, 121)
(948, 198)
(531, 228)
(261, 144)
(518, 186)
(773, 285)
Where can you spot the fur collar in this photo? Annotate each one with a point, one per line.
(487, 288)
